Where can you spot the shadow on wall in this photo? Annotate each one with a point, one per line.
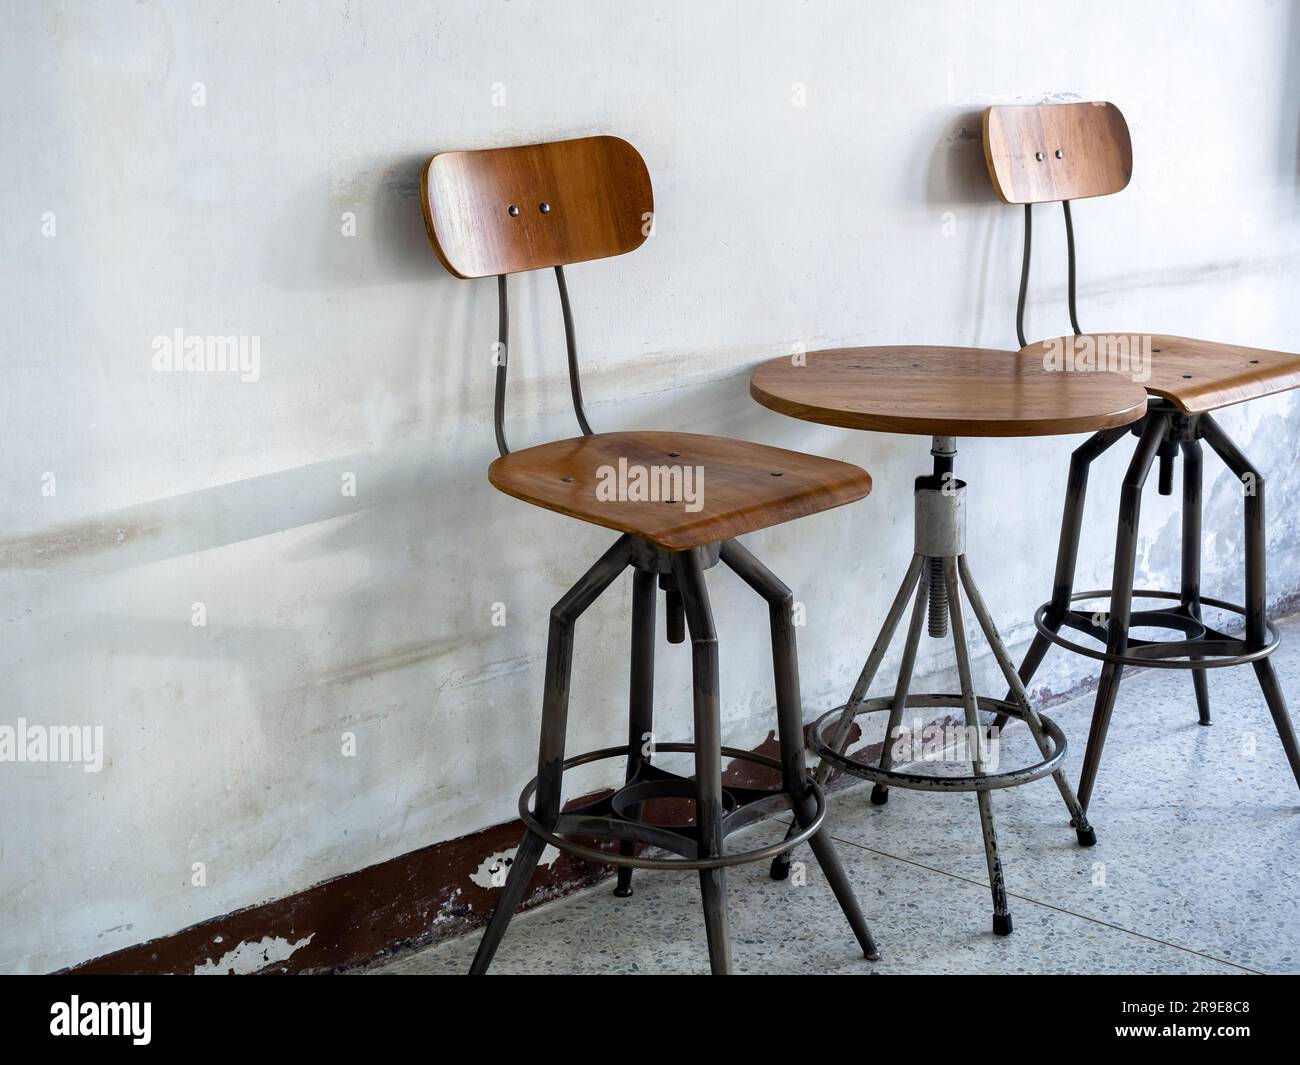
(382, 197)
(399, 509)
(379, 200)
(957, 175)
(397, 490)
(374, 237)
(213, 517)
(399, 519)
(957, 182)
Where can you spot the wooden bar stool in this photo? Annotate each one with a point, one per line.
(944, 393)
(509, 210)
(1062, 152)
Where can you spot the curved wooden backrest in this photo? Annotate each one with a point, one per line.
(504, 210)
(1050, 152)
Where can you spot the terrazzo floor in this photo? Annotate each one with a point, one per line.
(1195, 870)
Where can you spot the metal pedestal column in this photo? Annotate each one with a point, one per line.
(939, 574)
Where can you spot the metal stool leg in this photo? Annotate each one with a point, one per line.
(1190, 584)
(1078, 819)
(1277, 708)
(1256, 598)
(688, 572)
(781, 864)
(789, 716)
(550, 757)
(1067, 551)
(879, 792)
(640, 718)
(1028, 667)
(1001, 915)
(1121, 602)
(512, 895)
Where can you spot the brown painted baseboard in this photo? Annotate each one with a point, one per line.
(400, 904)
(410, 900)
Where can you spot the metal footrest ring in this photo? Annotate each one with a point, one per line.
(929, 782)
(736, 814)
(1212, 649)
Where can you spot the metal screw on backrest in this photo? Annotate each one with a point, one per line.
(513, 211)
(1038, 156)
(1060, 154)
(544, 207)
(938, 600)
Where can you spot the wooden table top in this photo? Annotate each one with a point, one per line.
(945, 391)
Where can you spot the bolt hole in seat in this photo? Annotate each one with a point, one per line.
(1061, 152)
(678, 500)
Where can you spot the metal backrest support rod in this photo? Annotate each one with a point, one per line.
(1024, 271)
(570, 341)
(1024, 275)
(503, 341)
(1069, 248)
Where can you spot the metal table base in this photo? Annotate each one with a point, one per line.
(939, 574)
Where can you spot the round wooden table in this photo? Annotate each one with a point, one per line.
(944, 393)
(934, 391)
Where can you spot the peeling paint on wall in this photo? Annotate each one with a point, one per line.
(492, 871)
(251, 957)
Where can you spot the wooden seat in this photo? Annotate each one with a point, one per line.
(677, 490)
(1195, 375)
(945, 391)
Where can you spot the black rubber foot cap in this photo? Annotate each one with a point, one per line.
(1087, 836)
(879, 795)
(1205, 722)
(1002, 924)
(623, 892)
(872, 954)
(780, 867)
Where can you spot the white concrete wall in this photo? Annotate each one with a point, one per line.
(862, 217)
